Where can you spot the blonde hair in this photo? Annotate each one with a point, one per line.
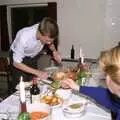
(110, 63)
(104, 59)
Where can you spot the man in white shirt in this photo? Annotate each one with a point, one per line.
(28, 43)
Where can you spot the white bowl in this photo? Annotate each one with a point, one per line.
(40, 107)
(65, 94)
(74, 109)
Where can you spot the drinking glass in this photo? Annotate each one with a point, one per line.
(13, 113)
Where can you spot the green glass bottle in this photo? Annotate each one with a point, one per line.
(81, 78)
(24, 116)
(81, 74)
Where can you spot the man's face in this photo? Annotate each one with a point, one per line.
(45, 39)
(113, 86)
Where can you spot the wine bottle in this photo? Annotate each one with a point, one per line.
(35, 92)
(24, 115)
(72, 52)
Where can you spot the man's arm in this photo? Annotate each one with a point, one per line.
(27, 69)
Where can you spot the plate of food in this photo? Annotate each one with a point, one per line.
(61, 75)
(52, 100)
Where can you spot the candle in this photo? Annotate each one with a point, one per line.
(81, 55)
(82, 60)
(80, 52)
(22, 90)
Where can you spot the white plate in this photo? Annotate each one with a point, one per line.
(57, 106)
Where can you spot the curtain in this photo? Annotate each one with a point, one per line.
(52, 12)
(4, 29)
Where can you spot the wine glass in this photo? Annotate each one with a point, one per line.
(13, 113)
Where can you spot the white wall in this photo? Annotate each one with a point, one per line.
(112, 33)
(81, 22)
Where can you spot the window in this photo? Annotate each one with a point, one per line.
(15, 17)
(24, 15)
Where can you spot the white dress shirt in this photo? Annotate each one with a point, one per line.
(26, 44)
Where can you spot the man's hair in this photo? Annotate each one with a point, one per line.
(48, 27)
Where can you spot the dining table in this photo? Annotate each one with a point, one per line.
(10, 107)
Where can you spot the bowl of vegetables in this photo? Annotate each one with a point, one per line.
(39, 111)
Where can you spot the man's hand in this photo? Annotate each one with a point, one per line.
(42, 75)
(57, 56)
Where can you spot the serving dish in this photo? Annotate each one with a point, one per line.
(52, 100)
(74, 109)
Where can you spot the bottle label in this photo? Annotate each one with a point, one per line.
(35, 98)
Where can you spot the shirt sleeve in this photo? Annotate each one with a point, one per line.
(99, 94)
(18, 52)
(118, 116)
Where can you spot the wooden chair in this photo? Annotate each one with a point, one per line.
(1, 99)
(5, 70)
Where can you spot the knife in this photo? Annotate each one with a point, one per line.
(48, 81)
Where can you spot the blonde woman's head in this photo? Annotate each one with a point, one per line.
(113, 68)
(109, 62)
